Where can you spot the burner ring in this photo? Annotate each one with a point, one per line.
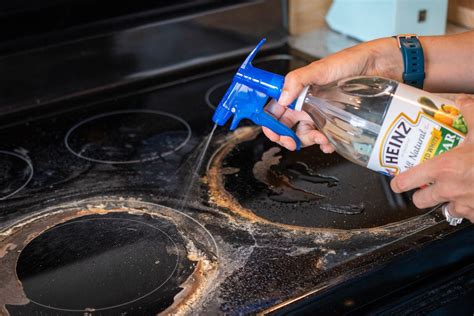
(188, 238)
(229, 187)
(29, 166)
(127, 302)
(211, 90)
(132, 161)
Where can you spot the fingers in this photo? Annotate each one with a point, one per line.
(306, 132)
(461, 210)
(284, 115)
(428, 197)
(296, 80)
(280, 113)
(275, 109)
(284, 141)
(309, 135)
(450, 174)
(274, 137)
(356, 60)
(432, 196)
(466, 106)
(453, 211)
(414, 178)
(287, 142)
(307, 139)
(348, 62)
(327, 149)
(463, 98)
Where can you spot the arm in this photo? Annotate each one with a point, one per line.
(380, 57)
(449, 62)
(449, 67)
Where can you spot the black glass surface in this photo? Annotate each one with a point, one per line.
(109, 263)
(15, 171)
(140, 140)
(29, 19)
(128, 136)
(52, 63)
(137, 144)
(311, 189)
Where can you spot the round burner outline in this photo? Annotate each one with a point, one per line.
(117, 305)
(205, 253)
(211, 90)
(30, 176)
(216, 172)
(95, 117)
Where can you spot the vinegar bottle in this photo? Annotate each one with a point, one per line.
(382, 124)
(374, 122)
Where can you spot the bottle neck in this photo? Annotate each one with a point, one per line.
(298, 104)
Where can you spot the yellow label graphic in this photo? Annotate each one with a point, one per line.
(433, 144)
(417, 126)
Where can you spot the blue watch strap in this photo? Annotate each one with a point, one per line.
(413, 60)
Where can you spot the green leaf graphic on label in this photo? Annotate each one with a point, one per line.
(460, 124)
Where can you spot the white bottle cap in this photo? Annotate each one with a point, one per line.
(300, 100)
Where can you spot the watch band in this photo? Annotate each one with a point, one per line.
(413, 59)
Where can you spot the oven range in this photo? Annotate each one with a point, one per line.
(97, 149)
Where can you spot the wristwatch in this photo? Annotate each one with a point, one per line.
(413, 59)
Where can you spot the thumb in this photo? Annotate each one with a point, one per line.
(466, 106)
(299, 78)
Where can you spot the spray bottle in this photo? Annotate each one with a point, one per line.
(374, 122)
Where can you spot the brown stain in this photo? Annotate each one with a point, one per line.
(222, 198)
(217, 194)
(11, 289)
(274, 180)
(3, 311)
(193, 288)
(5, 249)
(320, 263)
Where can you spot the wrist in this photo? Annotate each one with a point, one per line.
(413, 59)
(388, 62)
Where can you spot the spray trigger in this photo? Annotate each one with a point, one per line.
(247, 95)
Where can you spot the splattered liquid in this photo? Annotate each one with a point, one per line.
(297, 182)
(249, 164)
(196, 169)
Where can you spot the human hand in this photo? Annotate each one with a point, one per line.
(450, 175)
(305, 128)
(379, 58)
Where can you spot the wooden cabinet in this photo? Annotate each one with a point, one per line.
(461, 12)
(306, 15)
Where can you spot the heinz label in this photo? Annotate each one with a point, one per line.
(417, 127)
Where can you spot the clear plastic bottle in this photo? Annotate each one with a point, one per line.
(375, 122)
(382, 124)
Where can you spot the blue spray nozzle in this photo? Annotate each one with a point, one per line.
(247, 95)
